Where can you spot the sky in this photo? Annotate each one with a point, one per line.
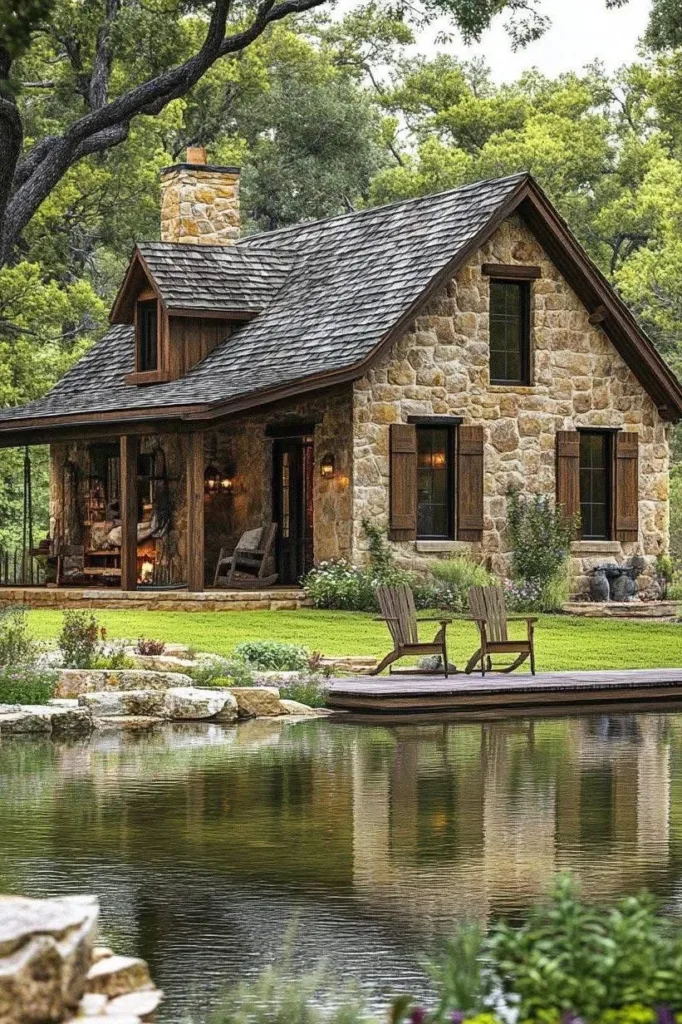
(581, 31)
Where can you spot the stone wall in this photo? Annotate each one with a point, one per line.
(441, 367)
(244, 446)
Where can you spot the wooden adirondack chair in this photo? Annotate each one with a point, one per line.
(489, 612)
(252, 555)
(400, 615)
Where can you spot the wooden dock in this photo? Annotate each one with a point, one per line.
(407, 694)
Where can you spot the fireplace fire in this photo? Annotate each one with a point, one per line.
(146, 561)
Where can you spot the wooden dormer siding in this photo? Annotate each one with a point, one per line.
(191, 339)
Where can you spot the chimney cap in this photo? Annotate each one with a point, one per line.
(196, 155)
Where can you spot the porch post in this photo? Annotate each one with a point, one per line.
(129, 451)
(195, 511)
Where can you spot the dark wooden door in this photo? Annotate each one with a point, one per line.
(293, 506)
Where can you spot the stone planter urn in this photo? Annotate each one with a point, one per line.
(599, 586)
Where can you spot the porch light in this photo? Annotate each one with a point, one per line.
(226, 484)
(327, 467)
(211, 479)
(438, 460)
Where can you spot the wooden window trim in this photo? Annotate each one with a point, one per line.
(526, 376)
(611, 481)
(511, 271)
(141, 377)
(161, 374)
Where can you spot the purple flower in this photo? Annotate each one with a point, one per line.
(664, 1015)
(457, 1017)
(417, 1015)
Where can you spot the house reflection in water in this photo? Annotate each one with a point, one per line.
(473, 819)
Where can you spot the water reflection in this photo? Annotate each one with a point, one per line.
(204, 841)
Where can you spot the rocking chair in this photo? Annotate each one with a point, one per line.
(252, 555)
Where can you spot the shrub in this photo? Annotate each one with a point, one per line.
(454, 576)
(222, 672)
(17, 646)
(148, 647)
(113, 657)
(541, 538)
(340, 586)
(308, 691)
(81, 640)
(271, 655)
(26, 684)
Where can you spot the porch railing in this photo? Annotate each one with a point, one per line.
(20, 568)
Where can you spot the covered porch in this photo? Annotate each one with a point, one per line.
(157, 510)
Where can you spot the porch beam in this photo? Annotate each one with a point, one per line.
(130, 446)
(195, 511)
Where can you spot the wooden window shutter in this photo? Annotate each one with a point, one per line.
(403, 482)
(568, 472)
(626, 517)
(470, 483)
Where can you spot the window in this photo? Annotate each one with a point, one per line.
(595, 484)
(435, 480)
(510, 332)
(147, 336)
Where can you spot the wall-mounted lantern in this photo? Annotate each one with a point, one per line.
(211, 478)
(327, 466)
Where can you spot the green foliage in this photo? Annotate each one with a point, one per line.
(272, 654)
(540, 537)
(80, 640)
(455, 970)
(222, 672)
(458, 574)
(676, 512)
(310, 691)
(571, 957)
(26, 684)
(17, 645)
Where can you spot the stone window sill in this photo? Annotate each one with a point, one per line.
(442, 547)
(517, 389)
(596, 547)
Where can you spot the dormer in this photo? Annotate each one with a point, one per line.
(189, 292)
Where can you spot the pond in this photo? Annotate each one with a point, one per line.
(205, 842)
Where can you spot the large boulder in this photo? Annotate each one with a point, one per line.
(118, 975)
(124, 703)
(257, 701)
(294, 707)
(25, 720)
(64, 721)
(45, 953)
(191, 702)
(74, 681)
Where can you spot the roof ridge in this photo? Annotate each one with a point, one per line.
(518, 176)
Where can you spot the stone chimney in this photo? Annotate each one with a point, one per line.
(199, 201)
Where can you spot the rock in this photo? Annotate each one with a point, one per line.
(256, 701)
(191, 702)
(127, 722)
(141, 1004)
(24, 721)
(124, 702)
(99, 953)
(163, 662)
(73, 681)
(9, 709)
(93, 1003)
(294, 707)
(117, 975)
(101, 1018)
(65, 721)
(45, 949)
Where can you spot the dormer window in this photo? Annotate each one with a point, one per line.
(147, 336)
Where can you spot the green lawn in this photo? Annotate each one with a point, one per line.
(562, 642)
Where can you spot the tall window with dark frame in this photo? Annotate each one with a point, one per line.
(147, 336)
(435, 483)
(510, 332)
(595, 484)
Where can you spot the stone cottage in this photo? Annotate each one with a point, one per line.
(409, 364)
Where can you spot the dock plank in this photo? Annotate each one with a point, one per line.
(426, 693)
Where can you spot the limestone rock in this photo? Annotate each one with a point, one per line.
(103, 1018)
(64, 721)
(190, 702)
(9, 709)
(124, 702)
(257, 701)
(141, 1004)
(45, 949)
(24, 721)
(294, 707)
(117, 975)
(73, 681)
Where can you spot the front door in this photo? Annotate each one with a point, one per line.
(293, 506)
